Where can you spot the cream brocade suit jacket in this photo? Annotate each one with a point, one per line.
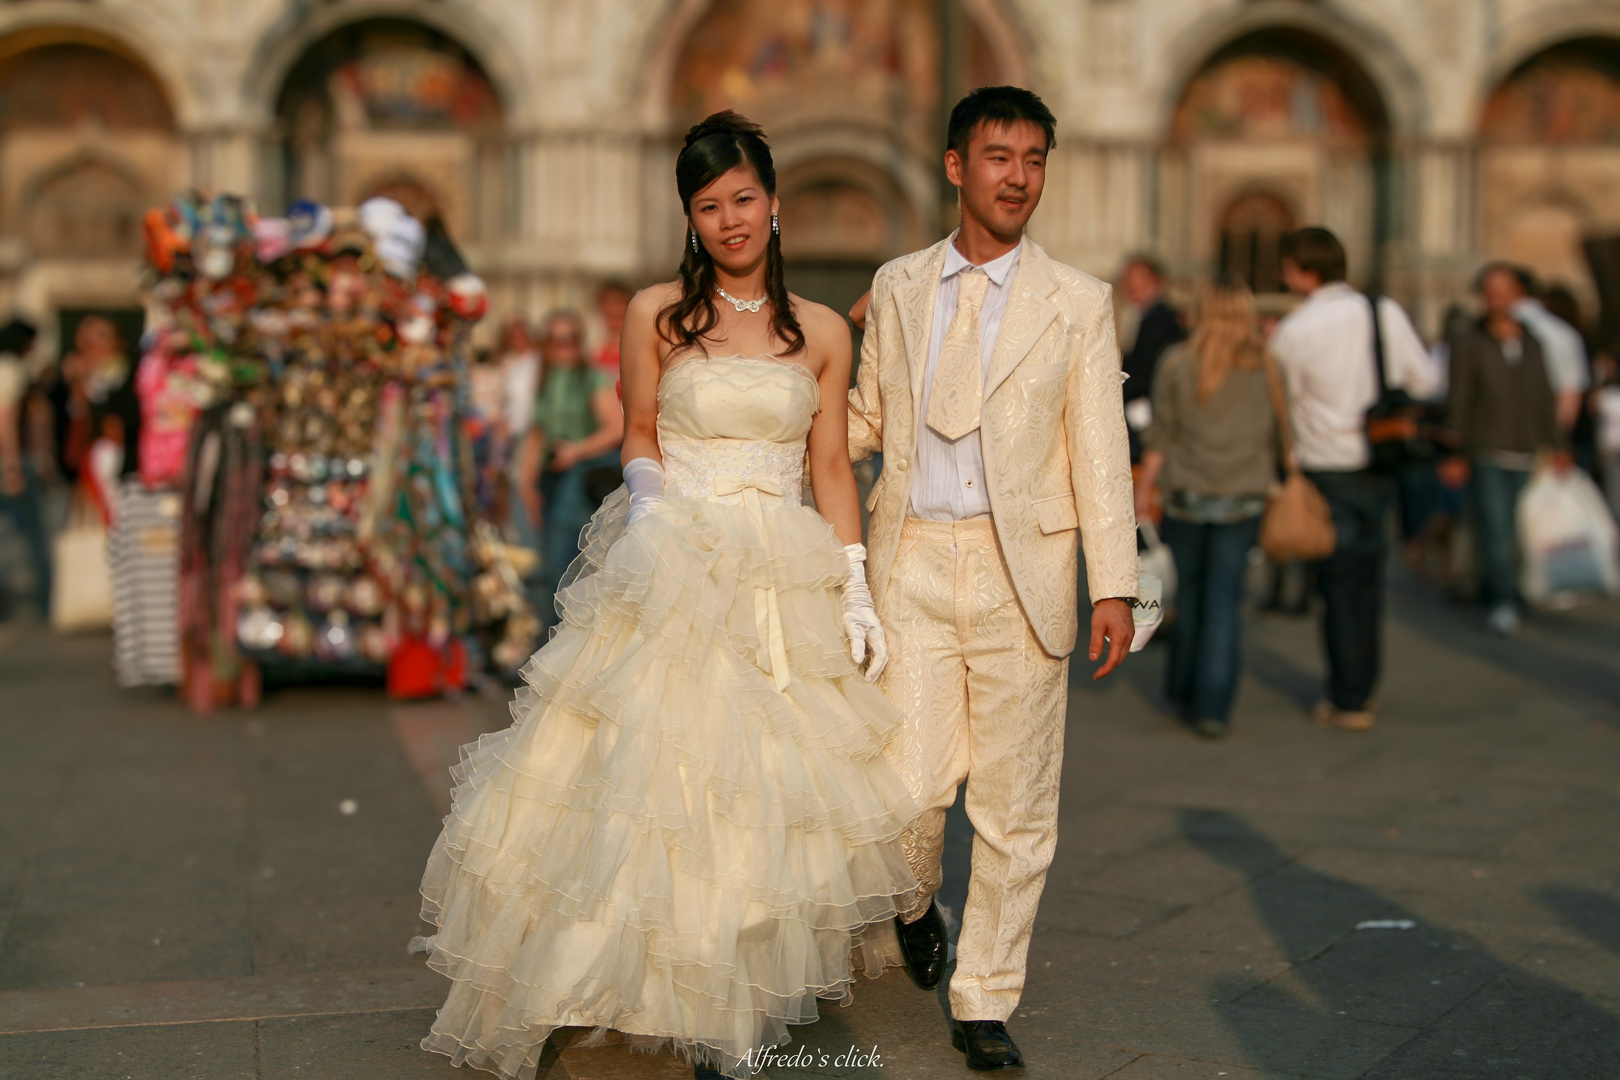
(1056, 455)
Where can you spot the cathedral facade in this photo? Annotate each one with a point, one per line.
(1431, 134)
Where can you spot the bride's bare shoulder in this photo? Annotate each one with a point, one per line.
(820, 323)
(647, 303)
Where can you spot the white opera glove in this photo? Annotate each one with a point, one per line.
(860, 616)
(645, 479)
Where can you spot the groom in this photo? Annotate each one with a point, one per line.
(990, 380)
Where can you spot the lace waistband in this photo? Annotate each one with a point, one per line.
(724, 469)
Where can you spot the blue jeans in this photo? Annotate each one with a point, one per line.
(1206, 641)
(24, 508)
(1493, 494)
(566, 510)
(1352, 582)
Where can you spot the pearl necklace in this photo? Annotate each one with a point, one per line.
(741, 305)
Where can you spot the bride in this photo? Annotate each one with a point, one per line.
(690, 821)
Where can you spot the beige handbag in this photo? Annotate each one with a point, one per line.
(81, 586)
(1298, 524)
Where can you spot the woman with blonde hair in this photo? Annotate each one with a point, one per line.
(1214, 448)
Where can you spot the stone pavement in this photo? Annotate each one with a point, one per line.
(199, 898)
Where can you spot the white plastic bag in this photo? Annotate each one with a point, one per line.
(1156, 587)
(1568, 540)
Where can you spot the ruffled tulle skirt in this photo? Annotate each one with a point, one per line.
(664, 843)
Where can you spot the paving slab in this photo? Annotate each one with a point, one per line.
(172, 1052)
(1166, 1067)
(366, 1046)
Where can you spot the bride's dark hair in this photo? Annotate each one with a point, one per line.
(713, 148)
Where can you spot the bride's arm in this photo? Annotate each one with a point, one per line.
(831, 477)
(638, 374)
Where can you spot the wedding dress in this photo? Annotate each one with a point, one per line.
(690, 821)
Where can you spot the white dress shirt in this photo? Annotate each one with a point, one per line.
(521, 375)
(1325, 350)
(1561, 346)
(949, 482)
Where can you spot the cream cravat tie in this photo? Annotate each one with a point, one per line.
(957, 393)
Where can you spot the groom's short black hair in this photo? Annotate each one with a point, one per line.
(998, 105)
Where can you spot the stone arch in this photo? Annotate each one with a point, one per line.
(385, 98)
(89, 206)
(1527, 38)
(845, 208)
(1389, 72)
(662, 41)
(1549, 132)
(301, 29)
(1582, 74)
(25, 27)
(1278, 106)
(1251, 227)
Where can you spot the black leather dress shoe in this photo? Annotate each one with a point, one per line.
(986, 1044)
(922, 947)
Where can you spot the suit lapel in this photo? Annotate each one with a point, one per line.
(1029, 312)
(915, 300)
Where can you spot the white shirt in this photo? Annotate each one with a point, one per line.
(1561, 346)
(522, 377)
(949, 482)
(1325, 350)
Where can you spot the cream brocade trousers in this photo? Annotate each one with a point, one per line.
(985, 704)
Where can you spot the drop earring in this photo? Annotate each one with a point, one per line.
(693, 234)
(776, 229)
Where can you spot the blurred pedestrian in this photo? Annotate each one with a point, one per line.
(1325, 350)
(1605, 406)
(1430, 506)
(93, 398)
(1158, 326)
(1214, 447)
(612, 302)
(520, 369)
(1563, 305)
(1502, 413)
(519, 363)
(1562, 348)
(486, 431)
(575, 432)
(19, 482)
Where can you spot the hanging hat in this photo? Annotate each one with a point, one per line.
(398, 245)
(377, 214)
(308, 224)
(272, 238)
(469, 299)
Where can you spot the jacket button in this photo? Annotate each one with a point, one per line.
(901, 465)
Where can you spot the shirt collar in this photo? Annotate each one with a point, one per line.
(1330, 291)
(998, 269)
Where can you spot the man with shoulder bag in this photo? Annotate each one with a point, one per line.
(1356, 387)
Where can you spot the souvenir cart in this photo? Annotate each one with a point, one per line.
(325, 524)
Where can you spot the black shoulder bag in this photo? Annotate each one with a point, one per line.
(1401, 430)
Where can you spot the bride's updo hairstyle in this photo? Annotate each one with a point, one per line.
(713, 148)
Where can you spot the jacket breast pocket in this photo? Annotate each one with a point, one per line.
(872, 498)
(1042, 371)
(1057, 514)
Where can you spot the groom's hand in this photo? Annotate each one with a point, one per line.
(1111, 622)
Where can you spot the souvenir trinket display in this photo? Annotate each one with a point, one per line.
(327, 478)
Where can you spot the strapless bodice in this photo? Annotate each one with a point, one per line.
(733, 425)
